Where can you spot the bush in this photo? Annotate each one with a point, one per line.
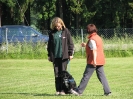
(114, 47)
(24, 51)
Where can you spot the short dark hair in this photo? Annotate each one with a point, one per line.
(91, 28)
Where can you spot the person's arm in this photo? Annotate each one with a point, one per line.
(94, 57)
(93, 47)
(83, 44)
(48, 46)
(70, 45)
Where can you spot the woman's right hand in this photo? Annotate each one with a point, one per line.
(83, 44)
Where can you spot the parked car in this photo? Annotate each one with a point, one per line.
(21, 33)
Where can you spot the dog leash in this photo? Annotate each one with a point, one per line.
(68, 66)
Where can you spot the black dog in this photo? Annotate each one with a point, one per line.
(68, 82)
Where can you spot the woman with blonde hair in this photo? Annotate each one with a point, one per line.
(60, 50)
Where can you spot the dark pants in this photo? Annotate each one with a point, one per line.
(59, 66)
(100, 75)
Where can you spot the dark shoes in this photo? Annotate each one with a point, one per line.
(77, 94)
(107, 94)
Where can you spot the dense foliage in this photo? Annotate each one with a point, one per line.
(75, 13)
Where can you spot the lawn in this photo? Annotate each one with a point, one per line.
(34, 79)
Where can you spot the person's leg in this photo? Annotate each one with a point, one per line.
(56, 74)
(63, 67)
(86, 76)
(102, 78)
(64, 64)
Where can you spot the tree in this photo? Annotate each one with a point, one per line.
(75, 13)
(42, 12)
(22, 6)
(6, 11)
(76, 10)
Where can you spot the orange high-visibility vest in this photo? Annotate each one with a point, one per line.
(100, 59)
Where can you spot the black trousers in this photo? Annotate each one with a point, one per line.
(59, 66)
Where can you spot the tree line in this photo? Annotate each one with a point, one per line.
(75, 13)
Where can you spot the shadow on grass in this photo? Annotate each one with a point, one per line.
(46, 94)
(34, 94)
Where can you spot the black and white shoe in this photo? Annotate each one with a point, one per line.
(107, 94)
(74, 92)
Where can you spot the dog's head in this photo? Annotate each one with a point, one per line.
(65, 74)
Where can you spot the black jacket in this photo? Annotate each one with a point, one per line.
(67, 45)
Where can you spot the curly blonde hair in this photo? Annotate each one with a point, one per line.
(55, 21)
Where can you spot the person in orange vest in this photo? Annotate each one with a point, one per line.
(95, 61)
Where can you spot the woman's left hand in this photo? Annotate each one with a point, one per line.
(95, 65)
(70, 57)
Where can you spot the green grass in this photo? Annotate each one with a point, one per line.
(34, 79)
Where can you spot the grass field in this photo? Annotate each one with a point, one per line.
(34, 79)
